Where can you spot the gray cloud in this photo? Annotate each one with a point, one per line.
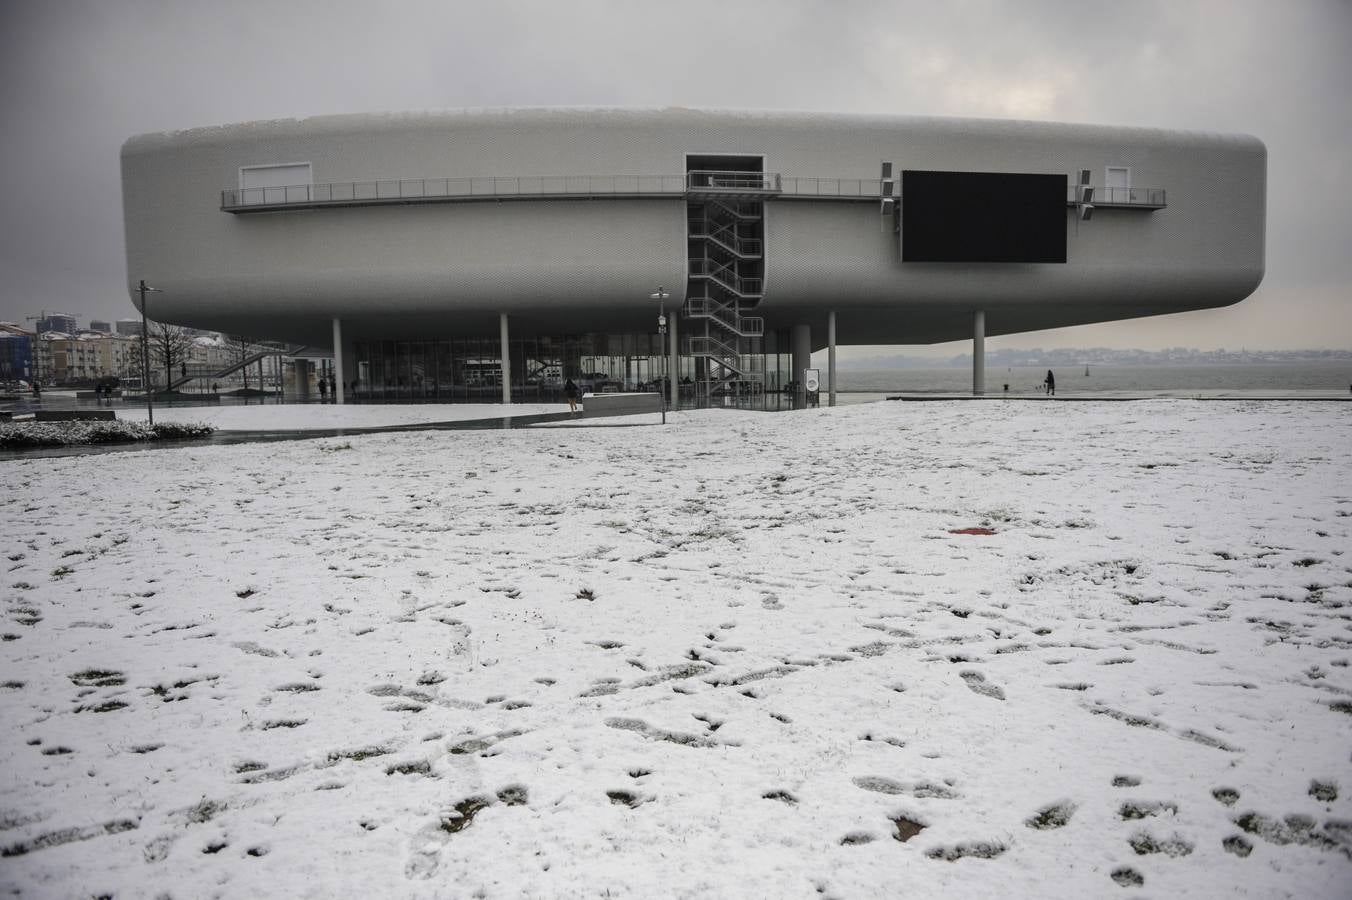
(78, 78)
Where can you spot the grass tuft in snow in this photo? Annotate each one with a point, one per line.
(465, 811)
(1055, 816)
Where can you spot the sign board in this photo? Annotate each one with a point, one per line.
(812, 380)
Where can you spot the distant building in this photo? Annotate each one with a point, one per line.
(57, 322)
(16, 353)
(128, 326)
(74, 357)
(118, 355)
(96, 325)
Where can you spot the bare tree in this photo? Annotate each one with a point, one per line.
(170, 346)
(241, 348)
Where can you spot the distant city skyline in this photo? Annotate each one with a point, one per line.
(78, 78)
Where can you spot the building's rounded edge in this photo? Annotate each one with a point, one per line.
(673, 116)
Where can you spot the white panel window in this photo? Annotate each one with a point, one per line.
(1117, 184)
(281, 183)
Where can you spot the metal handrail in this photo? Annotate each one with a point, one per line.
(474, 188)
(725, 237)
(415, 190)
(1126, 196)
(704, 268)
(738, 182)
(742, 326)
(860, 188)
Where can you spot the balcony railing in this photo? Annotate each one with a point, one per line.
(433, 190)
(526, 187)
(1152, 198)
(738, 184)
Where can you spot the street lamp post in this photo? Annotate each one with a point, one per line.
(661, 296)
(145, 351)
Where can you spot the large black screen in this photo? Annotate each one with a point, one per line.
(982, 217)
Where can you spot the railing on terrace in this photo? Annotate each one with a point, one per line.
(842, 188)
(442, 190)
(415, 190)
(1151, 197)
(701, 181)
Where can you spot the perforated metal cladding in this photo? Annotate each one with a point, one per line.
(603, 257)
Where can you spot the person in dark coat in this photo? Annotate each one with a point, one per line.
(570, 392)
(1050, 381)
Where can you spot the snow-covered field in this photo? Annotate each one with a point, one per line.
(746, 655)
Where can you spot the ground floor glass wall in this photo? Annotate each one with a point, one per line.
(468, 369)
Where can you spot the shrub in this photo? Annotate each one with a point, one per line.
(24, 435)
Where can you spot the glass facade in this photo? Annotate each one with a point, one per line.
(468, 369)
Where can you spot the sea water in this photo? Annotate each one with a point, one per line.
(1334, 375)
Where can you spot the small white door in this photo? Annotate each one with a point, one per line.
(1117, 184)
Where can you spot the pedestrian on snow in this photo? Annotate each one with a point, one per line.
(1050, 381)
(323, 388)
(570, 392)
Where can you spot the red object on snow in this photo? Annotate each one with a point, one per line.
(971, 531)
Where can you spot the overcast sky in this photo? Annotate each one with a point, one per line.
(78, 78)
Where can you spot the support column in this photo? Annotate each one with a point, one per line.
(673, 364)
(340, 385)
(300, 379)
(802, 359)
(831, 353)
(979, 353)
(506, 360)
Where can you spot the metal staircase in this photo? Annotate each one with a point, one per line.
(725, 236)
(257, 353)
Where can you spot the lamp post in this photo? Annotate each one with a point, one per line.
(145, 351)
(661, 296)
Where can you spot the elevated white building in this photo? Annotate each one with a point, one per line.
(432, 253)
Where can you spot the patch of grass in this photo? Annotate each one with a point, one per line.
(205, 811)
(1131, 810)
(1127, 877)
(465, 811)
(907, 828)
(1145, 844)
(1324, 791)
(361, 753)
(1055, 816)
(976, 850)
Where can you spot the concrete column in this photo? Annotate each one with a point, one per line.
(673, 364)
(300, 373)
(340, 385)
(979, 353)
(506, 360)
(831, 353)
(802, 359)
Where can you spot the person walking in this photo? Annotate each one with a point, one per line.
(1050, 382)
(570, 392)
(323, 388)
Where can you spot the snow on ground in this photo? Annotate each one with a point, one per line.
(320, 416)
(744, 655)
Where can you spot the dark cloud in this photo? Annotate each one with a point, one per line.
(78, 78)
